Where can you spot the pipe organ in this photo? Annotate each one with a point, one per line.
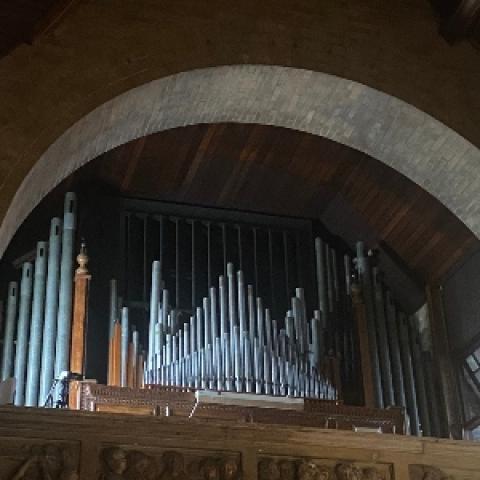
(230, 343)
(207, 304)
(38, 317)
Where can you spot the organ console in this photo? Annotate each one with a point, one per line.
(232, 340)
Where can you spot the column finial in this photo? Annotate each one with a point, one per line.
(82, 259)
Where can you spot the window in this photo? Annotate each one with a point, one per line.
(472, 365)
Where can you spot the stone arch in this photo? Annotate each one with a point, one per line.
(386, 128)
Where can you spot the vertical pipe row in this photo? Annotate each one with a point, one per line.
(247, 352)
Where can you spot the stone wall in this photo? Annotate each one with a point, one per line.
(102, 49)
(51, 444)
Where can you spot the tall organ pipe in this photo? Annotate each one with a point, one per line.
(154, 300)
(397, 368)
(242, 313)
(420, 384)
(36, 326)
(51, 310)
(232, 304)
(366, 281)
(251, 314)
(124, 348)
(64, 318)
(321, 280)
(223, 306)
(213, 318)
(407, 363)
(383, 346)
(22, 332)
(8, 345)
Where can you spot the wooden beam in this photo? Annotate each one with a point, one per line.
(52, 18)
(461, 23)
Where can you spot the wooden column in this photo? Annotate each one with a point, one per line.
(360, 316)
(80, 314)
(115, 357)
(443, 360)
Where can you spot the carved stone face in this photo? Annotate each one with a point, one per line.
(371, 474)
(174, 462)
(346, 471)
(140, 466)
(432, 475)
(323, 474)
(287, 470)
(116, 460)
(53, 459)
(210, 470)
(308, 471)
(268, 470)
(230, 469)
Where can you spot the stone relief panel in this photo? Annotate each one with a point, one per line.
(124, 463)
(281, 468)
(429, 472)
(31, 459)
(425, 472)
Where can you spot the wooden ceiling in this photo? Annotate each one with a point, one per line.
(21, 21)
(285, 172)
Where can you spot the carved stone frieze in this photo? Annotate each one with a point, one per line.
(426, 472)
(270, 468)
(28, 460)
(118, 463)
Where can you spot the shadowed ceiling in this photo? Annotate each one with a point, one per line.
(275, 170)
(21, 21)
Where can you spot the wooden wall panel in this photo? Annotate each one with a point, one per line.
(46, 444)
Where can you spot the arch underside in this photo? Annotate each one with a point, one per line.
(390, 130)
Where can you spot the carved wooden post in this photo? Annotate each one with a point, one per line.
(80, 314)
(114, 367)
(362, 329)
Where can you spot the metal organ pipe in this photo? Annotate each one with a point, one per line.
(407, 362)
(51, 309)
(124, 348)
(397, 368)
(36, 326)
(364, 274)
(62, 350)
(22, 333)
(384, 349)
(420, 384)
(8, 342)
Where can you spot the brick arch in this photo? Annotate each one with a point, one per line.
(386, 128)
